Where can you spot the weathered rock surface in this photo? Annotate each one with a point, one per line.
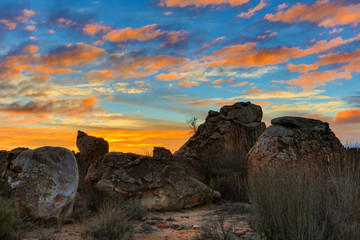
(161, 152)
(45, 181)
(221, 143)
(4, 187)
(159, 183)
(296, 140)
(91, 149)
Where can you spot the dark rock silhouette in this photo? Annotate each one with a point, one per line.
(91, 149)
(5, 190)
(159, 183)
(161, 152)
(221, 144)
(45, 181)
(296, 140)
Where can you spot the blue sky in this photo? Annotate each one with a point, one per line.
(133, 72)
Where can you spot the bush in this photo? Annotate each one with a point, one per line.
(215, 229)
(7, 219)
(306, 202)
(114, 221)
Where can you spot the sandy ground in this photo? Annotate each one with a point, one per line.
(164, 224)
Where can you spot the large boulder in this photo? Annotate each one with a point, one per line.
(296, 140)
(159, 183)
(5, 190)
(221, 144)
(45, 181)
(91, 149)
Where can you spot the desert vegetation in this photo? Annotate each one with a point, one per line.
(307, 201)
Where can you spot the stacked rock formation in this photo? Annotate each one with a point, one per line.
(159, 182)
(296, 140)
(91, 149)
(45, 181)
(221, 144)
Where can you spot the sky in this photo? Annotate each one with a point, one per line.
(133, 72)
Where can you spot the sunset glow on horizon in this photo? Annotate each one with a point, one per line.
(133, 72)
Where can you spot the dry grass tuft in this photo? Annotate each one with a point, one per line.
(302, 202)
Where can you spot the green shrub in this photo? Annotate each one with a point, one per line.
(7, 219)
(306, 202)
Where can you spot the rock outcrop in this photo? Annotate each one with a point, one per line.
(161, 152)
(45, 181)
(296, 140)
(91, 149)
(5, 190)
(159, 183)
(221, 144)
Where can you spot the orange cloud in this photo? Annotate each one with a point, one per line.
(30, 28)
(200, 3)
(31, 49)
(13, 66)
(99, 75)
(9, 24)
(329, 59)
(315, 79)
(348, 116)
(240, 84)
(174, 37)
(64, 21)
(252, 11)
(332, 58)
(222, 103)
(26, 15)
(262, 103)
(145, 33)
(23, 18)
(188, 84)
(92, 29)
(71, 107)
(252, 90)
(167, 76)
(246, 55)
(48, 71)
(148, 65)
(353, 66)
(207, 45)
(200, 103)
(303, 68)
(218, 81)
(323, 13)
(79, 54)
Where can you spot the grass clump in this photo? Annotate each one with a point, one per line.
(113, 221)
(215, 229)
(306, 202)
(8, 219)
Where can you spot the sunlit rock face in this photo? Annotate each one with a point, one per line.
(222, 142)
(296, 140)
(91, 149)
(160, 183)
(45, 181)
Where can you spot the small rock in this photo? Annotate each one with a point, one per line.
(174, 226)
(163, 224)
(240, 232)
(186, 227)
(196, 227)
(180, 227)
(151, 222)
(147, 228)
